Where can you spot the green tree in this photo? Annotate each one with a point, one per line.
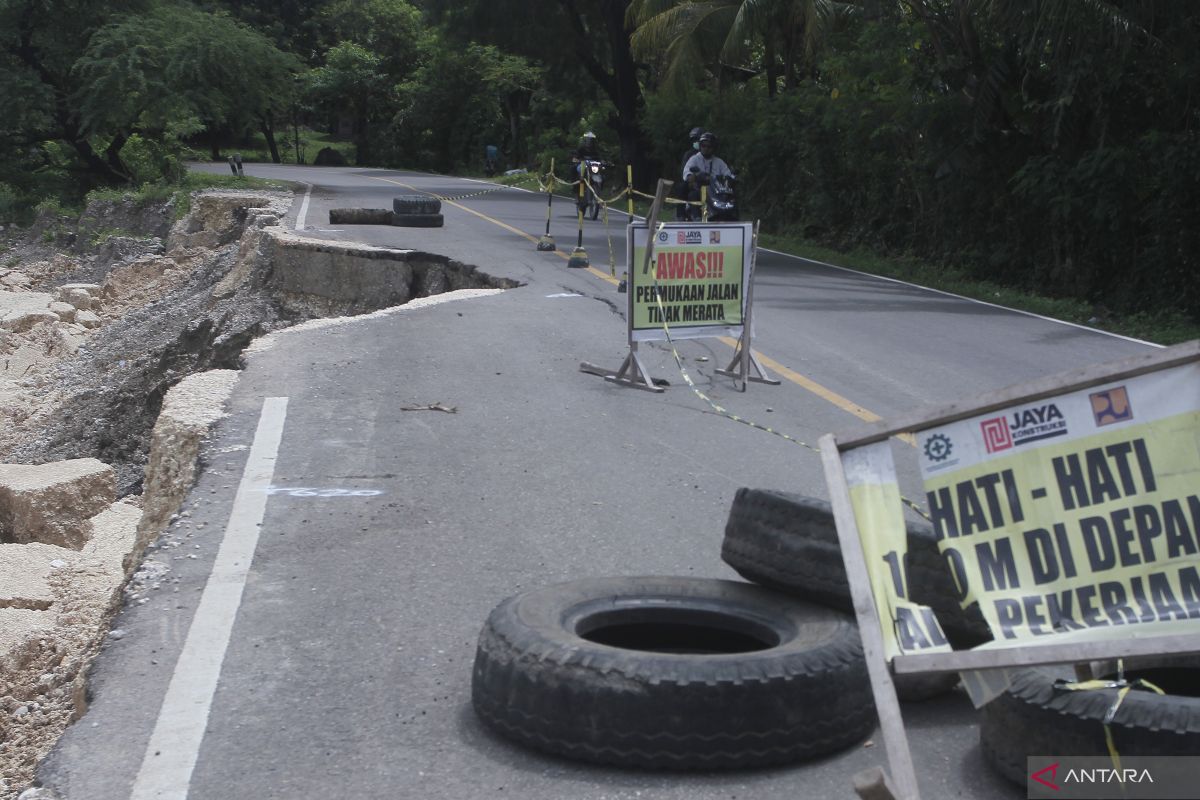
(724, 37)
(585, 46)
(177, 70)
(352, 80)
(40, 41)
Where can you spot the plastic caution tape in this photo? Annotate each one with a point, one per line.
(1123, 688)
(721, 410)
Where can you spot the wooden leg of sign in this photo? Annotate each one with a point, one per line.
(632, 373)
(745, 360)
(891, 723)
(873, 784)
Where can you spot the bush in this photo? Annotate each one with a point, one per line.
(12, 209)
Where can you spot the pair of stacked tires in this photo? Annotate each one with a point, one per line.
(789, 542)
(417, 211)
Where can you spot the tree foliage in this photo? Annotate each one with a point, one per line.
(1048, 144)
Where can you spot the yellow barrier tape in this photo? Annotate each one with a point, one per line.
(669, 200)
(612, 261)
(721, 409)
(1123, 688)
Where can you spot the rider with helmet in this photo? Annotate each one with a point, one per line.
(587, 149)
(586, 155)
(701, 168)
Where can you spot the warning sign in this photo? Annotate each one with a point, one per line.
(1076, 512)
(696, 284)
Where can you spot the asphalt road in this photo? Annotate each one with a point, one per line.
(347, 674)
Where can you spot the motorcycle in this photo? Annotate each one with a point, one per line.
(591, 172)
(722, 205)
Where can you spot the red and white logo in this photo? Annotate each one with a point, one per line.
(996, 436)
(1038, 776)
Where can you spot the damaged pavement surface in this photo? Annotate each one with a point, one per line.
(390, 533)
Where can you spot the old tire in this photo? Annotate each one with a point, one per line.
(789, 542)
(418, 220)
(672, 673)
(360, 216)
(1033, 718)
(416, 204)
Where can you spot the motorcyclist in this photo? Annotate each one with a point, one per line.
(587, 149)
(701, 168)
(684, 212)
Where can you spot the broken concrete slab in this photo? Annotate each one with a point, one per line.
(114, 537)
(80, 298)
(25, 570)
(65, 311)
(189, 408)
(88, 319)
(20, 628)
(20, 311)
(53, 503)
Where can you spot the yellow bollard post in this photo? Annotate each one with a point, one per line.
(547, 241)
(629, 188)
(579, 256)
(704, 204)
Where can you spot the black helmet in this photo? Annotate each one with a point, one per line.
(695, 133)
(709, 137)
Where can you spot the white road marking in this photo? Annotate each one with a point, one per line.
(964, 297)
(170, 757)
(564, 294)
(303, 208)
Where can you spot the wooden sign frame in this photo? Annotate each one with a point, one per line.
(833, 446)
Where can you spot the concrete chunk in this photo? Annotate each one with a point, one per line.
(20, 311)
(65, 311)
(53, 503)
(80, 298)
(88, 319)
(20, 629)
(25, 570)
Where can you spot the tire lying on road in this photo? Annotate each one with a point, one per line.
(416, 204)
(1036, 718)
(418, 220)
(789, 542)
(360, 216)
(672, 673)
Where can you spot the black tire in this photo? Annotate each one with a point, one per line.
(1033, 718)
(594, 207)
(789, 542)
(360, 216)
(416, 204)
(418, 220)
(568, 669)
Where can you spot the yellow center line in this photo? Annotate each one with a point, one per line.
(795, 377)
(820, 391)
(494, 221)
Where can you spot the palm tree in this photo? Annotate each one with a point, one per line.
(720, 36)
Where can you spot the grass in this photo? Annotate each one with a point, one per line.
(1165, 327)
(311, 142)
(180, 194)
